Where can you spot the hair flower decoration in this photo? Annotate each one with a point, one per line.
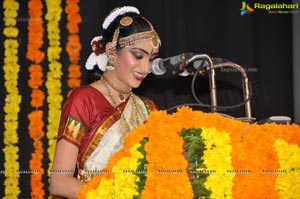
(96, 45)
(98, 56)
(117, 12)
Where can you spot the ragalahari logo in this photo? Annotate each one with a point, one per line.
(246, 9)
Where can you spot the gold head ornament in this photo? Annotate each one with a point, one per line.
(141, 36)
(135, 38)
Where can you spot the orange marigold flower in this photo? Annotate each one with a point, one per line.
(37, 98)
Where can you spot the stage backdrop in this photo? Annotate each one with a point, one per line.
(44, 46)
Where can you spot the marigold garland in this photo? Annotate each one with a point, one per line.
(258, 141)
(36, 124)
(73, 45)
(12, 100)
(217, 158)
(243, 155)
(166, 164)
(36, 132)
(53, 83)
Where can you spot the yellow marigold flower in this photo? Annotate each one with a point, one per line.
(10, 14)
(13, 139)
(11, 108)
(12, 59)
(11, 51)
(10, 5)
(11, 85)
(53, 53)
(11, 43)
(10, 21)
(11, 32)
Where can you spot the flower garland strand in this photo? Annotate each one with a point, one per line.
(12, 100)
(167, 166)
(73, 46)
(217, 158)
(53, 83)
(36, 132)
(258, 140)
(36, 124)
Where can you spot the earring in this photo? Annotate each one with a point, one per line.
(111, 61)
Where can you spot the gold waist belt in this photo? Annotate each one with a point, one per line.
(87, 175)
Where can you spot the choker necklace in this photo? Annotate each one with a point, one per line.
(121, 93)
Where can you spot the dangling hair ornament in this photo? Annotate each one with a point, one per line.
(98, 56)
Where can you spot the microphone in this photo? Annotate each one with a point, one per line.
(177, 64)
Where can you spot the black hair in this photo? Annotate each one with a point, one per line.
(139, 24)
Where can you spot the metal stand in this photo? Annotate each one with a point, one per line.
(212, 82)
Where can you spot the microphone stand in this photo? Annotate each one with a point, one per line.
(245, 83)
(212, 82)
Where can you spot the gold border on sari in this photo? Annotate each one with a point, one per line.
(98, 136)
(72, 130)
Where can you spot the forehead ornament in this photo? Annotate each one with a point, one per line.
(140, 37)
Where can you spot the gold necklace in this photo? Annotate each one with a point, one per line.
(121, 93)
(118, 109)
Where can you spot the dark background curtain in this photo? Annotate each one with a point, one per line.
(260, 42)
